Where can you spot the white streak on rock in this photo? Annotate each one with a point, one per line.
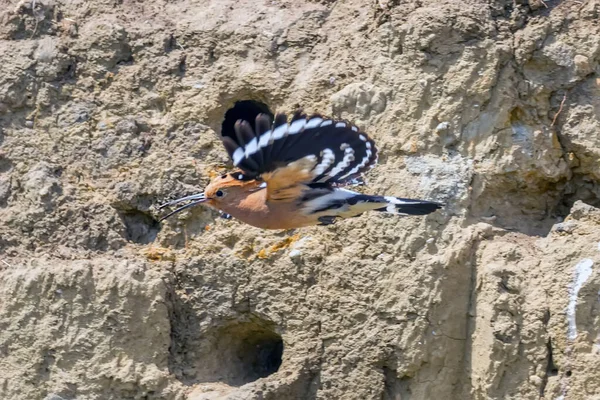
(583, 271)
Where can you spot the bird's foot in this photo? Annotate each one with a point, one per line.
(327, 220)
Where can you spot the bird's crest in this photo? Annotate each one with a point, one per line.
(233, 179)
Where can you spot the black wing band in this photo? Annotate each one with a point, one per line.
(343, 152)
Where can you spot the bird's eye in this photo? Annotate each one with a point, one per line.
(219, 193)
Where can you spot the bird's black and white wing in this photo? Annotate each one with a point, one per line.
(323, 149)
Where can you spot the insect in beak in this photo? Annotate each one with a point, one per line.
(195, 200)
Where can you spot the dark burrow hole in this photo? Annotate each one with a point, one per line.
(235, 354)
(246, 110)
(247, 352)
(551, 369)
(395, 387)
(5, 164)
(558, 199)
(139, 227)
(582, 188)
(70, 70)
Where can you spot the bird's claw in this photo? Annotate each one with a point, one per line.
(327, 220)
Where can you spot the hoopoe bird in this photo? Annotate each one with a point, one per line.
(291, 174)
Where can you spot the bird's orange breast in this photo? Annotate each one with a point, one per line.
(255, 210)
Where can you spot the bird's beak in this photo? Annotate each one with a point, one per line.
(195, 200)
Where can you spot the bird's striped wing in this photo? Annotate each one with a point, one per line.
(311, 149)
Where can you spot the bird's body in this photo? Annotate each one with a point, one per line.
(290, 175)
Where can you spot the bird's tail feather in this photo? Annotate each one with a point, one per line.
(396, 205)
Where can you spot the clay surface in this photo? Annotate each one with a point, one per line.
(108, 108)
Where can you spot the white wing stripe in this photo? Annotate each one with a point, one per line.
(297, 126)
(329, 198)
(264, 139)
(238, 156)
(363, 162)
(328, 159)
(280, 131)
(313, 123)
(342, 165)
(251, 147)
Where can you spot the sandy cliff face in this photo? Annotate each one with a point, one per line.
(491, 106)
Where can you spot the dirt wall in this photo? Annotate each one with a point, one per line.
(108, 108)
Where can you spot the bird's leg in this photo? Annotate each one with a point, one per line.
(327, 220)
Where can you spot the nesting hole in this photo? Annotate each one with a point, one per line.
(140, 227)
(248, 351)
(235, 354)
(395, 387)
(246, 110)
(5, 164)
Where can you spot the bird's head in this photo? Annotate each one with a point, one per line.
(223, 191)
